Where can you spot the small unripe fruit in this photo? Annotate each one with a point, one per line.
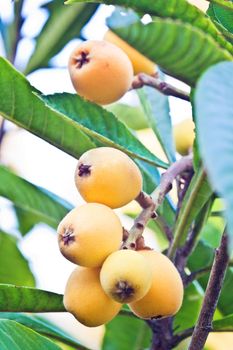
(89, 233)
(86, 300)
(100, 71)
(107, 175)
(165, 295)
(184, 136)
(125, 276)
(141, 64)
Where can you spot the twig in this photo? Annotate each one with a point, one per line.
(151, 204)
(140, 222)
(204, 323)
(143, 79)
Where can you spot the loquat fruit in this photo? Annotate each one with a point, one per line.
(89, 233)
(141, 64)
(165, 295)
(125, 276)
(107, 175)
(184, 136)
(86, 300)
(100, 71)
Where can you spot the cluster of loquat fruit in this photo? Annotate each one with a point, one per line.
(91, 235)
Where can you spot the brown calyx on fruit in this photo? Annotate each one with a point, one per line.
(123, 291)
(84, 170)
(81, 59)
(68, 237)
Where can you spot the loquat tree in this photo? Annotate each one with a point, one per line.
(171, 297)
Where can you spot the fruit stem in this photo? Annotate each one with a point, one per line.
(154, 81)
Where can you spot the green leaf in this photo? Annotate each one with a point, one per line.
(24, 299)
(101, 126)
(188, 314)
(65, 120)
(64, 23)
(197, 195)
(20, 104)
(222, 16)
(181, 10)
(126, 333)
(42, 326)
(26, 221)
(214, 116)
(224, 325)
(14, 336)
(225, 303)
(43, 205)
(156, 107)
(201, 257)
(226, 4)
(133, 117)
(14, 268)
(183, 51)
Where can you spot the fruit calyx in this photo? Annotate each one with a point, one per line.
(123, 291)
(84, 170)
(82, 59)
(68, 237)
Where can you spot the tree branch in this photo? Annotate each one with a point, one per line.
(143, 79)
(151, 203)
(204, 323)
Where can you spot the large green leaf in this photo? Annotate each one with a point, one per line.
(156, 107)
(20, 104)
(181, 10)
(42, 326)
(35, 202)
(124, 333)
(65, 120)
(224, 325)
(214, 116)
(23, 299)
(181, 50)
(101, 126)
(14, 336)
(64, 23)
(14, 267)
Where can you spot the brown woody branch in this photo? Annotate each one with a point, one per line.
(151, 203)
(216, 279)
(143, 79)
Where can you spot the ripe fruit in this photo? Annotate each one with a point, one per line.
(125, 276)
(89, 233)
(86, 300)
(165, 295)
(184, 136)
(107, 175)
(100, 71)
(141, 64)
